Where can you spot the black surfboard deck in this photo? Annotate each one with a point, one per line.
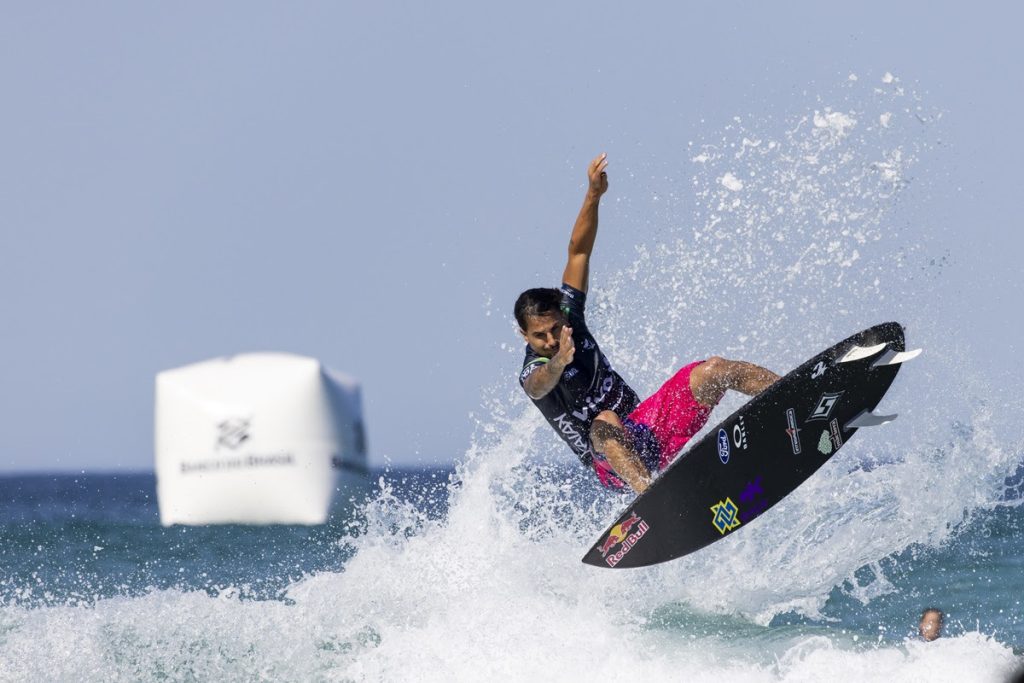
(755, 457)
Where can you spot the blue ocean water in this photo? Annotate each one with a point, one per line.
(75, 539)
(85, 562)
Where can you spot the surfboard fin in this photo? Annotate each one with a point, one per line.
(866, 418)
(861, 352)
(891, 357)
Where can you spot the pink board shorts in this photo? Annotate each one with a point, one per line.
(661, 425)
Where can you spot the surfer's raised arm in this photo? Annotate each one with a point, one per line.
(581, 244)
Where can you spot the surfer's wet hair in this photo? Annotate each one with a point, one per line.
(537, 301)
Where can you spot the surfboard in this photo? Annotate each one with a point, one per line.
(758, 455)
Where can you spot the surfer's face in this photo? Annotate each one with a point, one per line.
(542, 333)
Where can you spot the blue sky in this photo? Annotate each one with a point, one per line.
(373, 185)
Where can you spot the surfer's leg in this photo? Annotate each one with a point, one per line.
(610, 439)
(711, 379)
(671, 416)
(681, 407)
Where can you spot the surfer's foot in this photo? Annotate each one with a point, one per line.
(712, 378)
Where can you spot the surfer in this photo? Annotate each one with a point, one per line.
(565, 374)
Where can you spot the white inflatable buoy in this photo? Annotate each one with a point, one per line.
(257, 438)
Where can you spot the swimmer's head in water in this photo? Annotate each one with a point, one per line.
(930, 627)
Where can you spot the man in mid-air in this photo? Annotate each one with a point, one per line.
(571, 381)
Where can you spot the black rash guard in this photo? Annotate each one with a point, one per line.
(587, 387)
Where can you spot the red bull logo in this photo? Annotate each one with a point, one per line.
(626, 533)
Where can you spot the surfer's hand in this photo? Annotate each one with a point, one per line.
(566, 349)
(597, 175)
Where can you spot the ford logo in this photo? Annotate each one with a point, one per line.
(723, 446)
